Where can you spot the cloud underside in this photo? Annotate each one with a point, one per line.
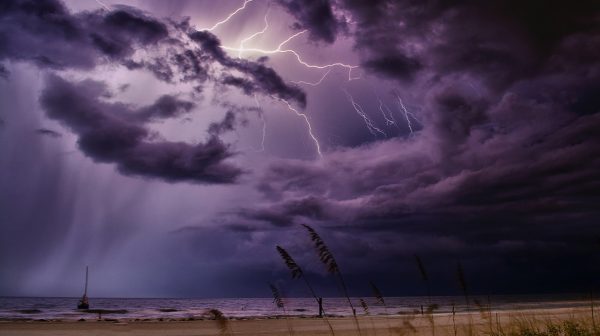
(508, 156)
(46, 34)
(115, 133)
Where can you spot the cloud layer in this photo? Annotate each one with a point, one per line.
(114, 133)
(502, 171)
(506, 163)
(48, 35)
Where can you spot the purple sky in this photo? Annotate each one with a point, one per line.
(170, 145)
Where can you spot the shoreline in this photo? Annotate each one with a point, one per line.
(280, 325)
(120, 309)
(121, 315)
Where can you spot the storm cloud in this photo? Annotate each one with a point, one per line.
(107, 134)
(47, 34)
(316, 16)
(506, 160)
(489, 150)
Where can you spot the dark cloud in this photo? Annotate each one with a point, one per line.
(504, 172)
(48, 132)
(165, 107)
(315, 15)
(3, 71)
(47, 34)
(286, 213)
(190, 64)
(507, 198)
(128, 23)
(268, 81)
(44, 32)
(260, 78)
(108, 134)
(225, 125)
(501, 41)
(210, 44)
(243, 84)
(394, 66)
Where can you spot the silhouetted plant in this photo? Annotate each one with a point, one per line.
(462, 281)
(430, 307)
(421, 267)
(365, 308)
(222, 322)
(278, 300)
(295, 269)
(328, 260)
(290, 263)
(325, 255)
(532, 327)
(460, 274)
(380, 299)
(297, 273)
(454, 318)
(377, 293)
(485, 311)
(592, 309)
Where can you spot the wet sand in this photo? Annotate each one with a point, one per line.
(481, 322)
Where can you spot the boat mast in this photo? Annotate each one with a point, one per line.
(86, 281)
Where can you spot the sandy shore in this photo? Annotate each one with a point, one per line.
(369, 325)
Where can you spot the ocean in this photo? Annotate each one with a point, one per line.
(64, 309)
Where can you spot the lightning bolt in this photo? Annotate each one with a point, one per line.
(255, 34)
(246, 2)
(407, 114)
(315, 83)
(280, 50)
(389, 116)
(241, 49)
(308, 125)
(368, 122)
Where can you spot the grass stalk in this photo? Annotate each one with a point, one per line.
(592, 309)
(379, 297)
(297, 273)
(430, 307)
(454, 319)
(365, 308)
(278, 300)
(462, 281)
(221, 320)
(328, 260)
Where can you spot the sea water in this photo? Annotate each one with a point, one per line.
(51, 308)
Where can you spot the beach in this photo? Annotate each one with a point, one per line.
(481, 322)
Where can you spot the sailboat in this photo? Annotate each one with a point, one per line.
(84, 303)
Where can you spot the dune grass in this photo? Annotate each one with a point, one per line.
(328, 260)
(221, 321)
(278, 300)
(297, 273)
(535, 327)
(464, 323)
